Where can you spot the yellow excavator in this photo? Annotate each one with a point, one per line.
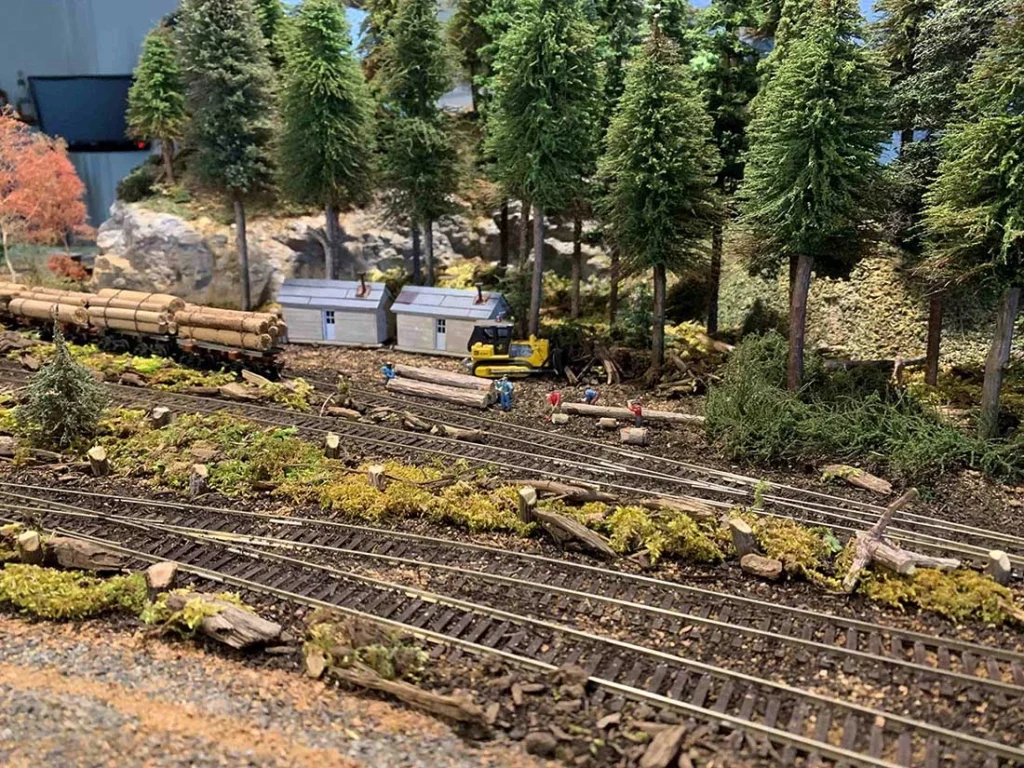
(495, 352)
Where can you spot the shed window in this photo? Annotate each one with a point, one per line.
(329, 317)
(440, 325)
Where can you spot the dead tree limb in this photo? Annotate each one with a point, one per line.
(579, 494)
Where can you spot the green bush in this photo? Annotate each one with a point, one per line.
(138, 184)
(843, 415)
(51, 594)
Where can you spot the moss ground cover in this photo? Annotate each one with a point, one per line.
(51, 594)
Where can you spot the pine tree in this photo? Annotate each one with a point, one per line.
(470, 38)
(270, 15)
(975, 209)
(726, 64)
(65, 402)
(548, 103)
(373, 31)
(660, 170)
(420, 165)
(815, 140)
(230, 98)
(156, 101)
(327, 113)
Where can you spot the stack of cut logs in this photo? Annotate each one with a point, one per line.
(46, 303)
(136, 311)
(446, 386)
(229, 327)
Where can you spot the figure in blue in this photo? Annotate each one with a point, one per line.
(505, 390)
(590, 395)
(388, 370)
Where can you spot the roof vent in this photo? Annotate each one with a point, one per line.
(480, 298)
(363, 290)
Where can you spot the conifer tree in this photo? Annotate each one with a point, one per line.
(470, 38)
(420, 165)
(65, 402)
(379, 14)
(230, 98)
(327, 114)
(270, 15)
(548, 104)
(659, 170)
(975, 209)
(815, 140)
(156, 101)
(726, 64)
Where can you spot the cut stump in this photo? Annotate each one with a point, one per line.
(332, 446)
(160, 576)
(634, 436)
(527, 501)
(998, 567)
(198, 480)
(159, 417)
(376, 477)
(98, 462)
(29, 548)
(742, 537)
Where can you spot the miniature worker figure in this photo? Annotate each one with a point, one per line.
(505, 390)
(636, 407)
(590, 395)
(388, 370)
(555, 401)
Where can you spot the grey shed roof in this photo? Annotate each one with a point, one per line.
(448, 302)
(332, 294)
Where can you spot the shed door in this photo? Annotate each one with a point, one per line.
(439, 333)
(328, 325)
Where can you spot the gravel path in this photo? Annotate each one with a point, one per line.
(91, 695)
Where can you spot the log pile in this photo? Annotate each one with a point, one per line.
(44, 308)
(230, 328)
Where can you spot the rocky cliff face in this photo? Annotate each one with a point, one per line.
(195, 258)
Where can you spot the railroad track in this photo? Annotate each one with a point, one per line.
(894, 738)
(724, 491)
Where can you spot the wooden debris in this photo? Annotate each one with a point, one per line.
(160, 576)
(559, 419)
(577, 494)
(762, 567)
(527, 500)
(376, 476)
(871, 548)
(198, 480)
(640, 436)
(414, 423)
(695, 508)
(203, 391)
(30, 363)
(459, 708)
(664, 748)
(255, 379)
(742, 537)
(564, 530)
(444, 378)
(332, 446)
(606, 422)
(612, 412)
(858, 478)
(998, 567)
(314, 663)
(458, 433)
(98, 462)
(29, 548)
(129, 379)
(238, 391)
(473, 398)
(82, 555)
(159, 416)
(234, 626)
(343, 413)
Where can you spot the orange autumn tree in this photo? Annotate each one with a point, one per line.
(40, 192)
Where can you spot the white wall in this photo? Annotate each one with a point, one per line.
(79, 37)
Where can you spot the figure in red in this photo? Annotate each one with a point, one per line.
(636, 407)
(555, 401)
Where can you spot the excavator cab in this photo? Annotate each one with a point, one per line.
(495, 352)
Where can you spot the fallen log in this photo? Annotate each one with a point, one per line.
(612, 412)
(858, 478)
(79, 555)
(762, 567)
(234, 626)
(255, 379)
(459, 708)
(343, 413)
(580, 494)
(607, 423)
(695, 508)
(565, 530)
(870, 548)
(445, 378)
(474, 398)
(458, 433)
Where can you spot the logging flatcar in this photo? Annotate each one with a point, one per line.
(150, 324)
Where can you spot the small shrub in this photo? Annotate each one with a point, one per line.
(66, 268)
(186, 620)
(633, 529)
(344, 641)
(959, 595)
(52, 594)
(138, 184)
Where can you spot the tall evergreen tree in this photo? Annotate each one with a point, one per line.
(815, 141)
(660, 169)
(230, 98)
(975, 209)
(379, 14)
(270, 15)
(327, 111)
(470, 38)
(156, 100)
(726, 63)
(420, 163)
(548, 102)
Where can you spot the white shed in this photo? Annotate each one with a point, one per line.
(336, 312)
(440, 320)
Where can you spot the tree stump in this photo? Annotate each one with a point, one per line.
(198, 480)
(999, 567)
(29, 548)
(98, 462)
(8, 446)
(332, 446)
(159, 417)
(559, 419)
(160, 576)
(607, 423)
(375, 476)
(80, 555)
(634, 436)
(235, 627)
(742, 537)
(527, 503)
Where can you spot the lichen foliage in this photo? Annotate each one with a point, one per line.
(52, 594)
